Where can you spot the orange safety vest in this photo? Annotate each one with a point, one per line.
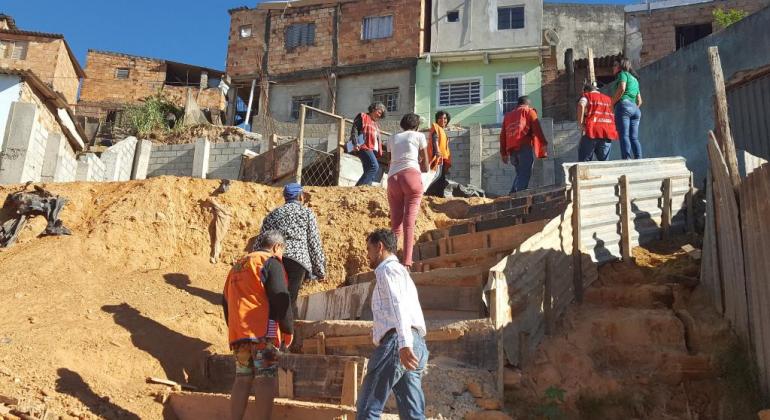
(599, 118)
(521, 126)
(443, 147)
(248, 308)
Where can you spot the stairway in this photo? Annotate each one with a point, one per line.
(333, 333)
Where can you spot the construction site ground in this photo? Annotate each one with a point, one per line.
(132, 294)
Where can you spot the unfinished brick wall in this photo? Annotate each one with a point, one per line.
(555, 89)
(405, 42)
(658, 28)
(45, 118)
(48, 59)
(244, 55)
(145, 78)
(308, 57)
(211, 98)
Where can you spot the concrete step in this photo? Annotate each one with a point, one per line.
(485, 257)
(594, 328)
(461, 276)
(652, 296)
(200, 406)
(469, 342)
(648, 364)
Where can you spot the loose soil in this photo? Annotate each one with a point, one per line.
(132, 294)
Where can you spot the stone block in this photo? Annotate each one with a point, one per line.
(201, 158)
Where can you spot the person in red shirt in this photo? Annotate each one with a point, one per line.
(259, 318)
(597, 123)
(365, 136)
(521, 141)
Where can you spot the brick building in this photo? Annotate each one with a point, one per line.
(335, 55)
(658, 28)
(47, 55)
(116, 80)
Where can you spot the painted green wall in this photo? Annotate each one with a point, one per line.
(426, 101)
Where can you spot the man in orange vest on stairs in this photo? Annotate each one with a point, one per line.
(521, 141)
(597, 123)
(259, 321)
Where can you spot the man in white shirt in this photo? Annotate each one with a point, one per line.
(399, 360)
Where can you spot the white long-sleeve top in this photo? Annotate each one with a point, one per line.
(395, 303)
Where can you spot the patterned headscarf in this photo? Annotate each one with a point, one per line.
(292, 191)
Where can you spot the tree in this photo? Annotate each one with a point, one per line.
(724, 18)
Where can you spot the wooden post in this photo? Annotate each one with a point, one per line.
(690, 209)
(350, 384)
(722, 118)
(577, 242)
(666, 203)
(273, 141)
(591, 72)
(569, 64)
(251, 101)
(340, 146)
(285, 383)
(625, 218)
(500, 313)
(321, 343)
(301, 140)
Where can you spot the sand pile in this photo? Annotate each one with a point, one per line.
(131, 294)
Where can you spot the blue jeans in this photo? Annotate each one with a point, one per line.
(627, 117)
(385, 373)
(371, 167)
(523, 160)
(588, 147)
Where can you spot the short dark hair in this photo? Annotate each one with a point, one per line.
(410, 121)
(589, 87)
(385, 237)
(442, 113)
(268, 239)
(523, 100)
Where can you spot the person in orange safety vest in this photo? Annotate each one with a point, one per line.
(521, 141)
(439, 153)
(260, 321)
(597, 124)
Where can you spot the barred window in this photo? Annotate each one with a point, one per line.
(299, 34)
(377, 27)
(389, 97)
(510, 17)
(121, 73)
(456, 93)
(309, 100)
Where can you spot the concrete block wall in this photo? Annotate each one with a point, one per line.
(23, 150)
(59, 164)
(460, 146)
(119, 160)
(225, 158)
(172, 159)
(35, 154)
(91, 168)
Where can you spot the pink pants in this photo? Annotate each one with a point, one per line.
(404, 195)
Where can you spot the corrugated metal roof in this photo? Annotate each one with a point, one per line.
(748, 100)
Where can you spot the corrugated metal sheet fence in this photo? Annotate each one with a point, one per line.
(749, 105)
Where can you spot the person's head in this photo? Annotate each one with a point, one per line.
(524, 101)
(271, 241)
(623, 64)
(443, 118)
(380, 244)
(410, 121)
(377, 111)
(292, 192)
(590, 87)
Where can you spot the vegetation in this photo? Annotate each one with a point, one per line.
(152, 115)
(724, 18)
(551, 406)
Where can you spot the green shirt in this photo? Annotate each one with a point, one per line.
(632, 86)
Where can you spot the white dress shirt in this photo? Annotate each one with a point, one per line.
(395, 303)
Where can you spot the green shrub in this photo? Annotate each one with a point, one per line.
(724, 18)
(150, 116)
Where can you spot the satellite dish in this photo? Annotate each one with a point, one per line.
(551, 37)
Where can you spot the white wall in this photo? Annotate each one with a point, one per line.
(10, 91)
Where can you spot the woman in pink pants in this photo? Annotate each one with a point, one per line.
(408, 156)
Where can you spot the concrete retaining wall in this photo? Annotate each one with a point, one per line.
(91, 168)
(173, 159)
(119, 160)
(225, 158)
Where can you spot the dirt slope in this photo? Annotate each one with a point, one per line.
(132, 294)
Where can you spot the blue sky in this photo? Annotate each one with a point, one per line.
(190, 31)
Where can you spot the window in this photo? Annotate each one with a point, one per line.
(245, 31)
(464, 92)
(121, 73)
(510, 17)
(686, 35)
(310, 100)
(15, 50)
(389, 97)
(377, 27)
(509, 92)
(299, 34)
(453, 16)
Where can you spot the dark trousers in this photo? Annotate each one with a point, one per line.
(371, 167)
(297, 274)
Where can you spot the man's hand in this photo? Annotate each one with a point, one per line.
(505, 159)
(408, 359)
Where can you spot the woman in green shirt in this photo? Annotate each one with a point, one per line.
(627, 100)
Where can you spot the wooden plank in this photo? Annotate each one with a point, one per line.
(625, 218)
(709, 271)
(577, 245)
(591, 71)
(350, 384)
(321, 347)
(666, 208)
(729, 240)
(690, 208)
(722, 118)
(509, 236)
(285, 383)
(465, 258)
(340, 146)
(301, 141)
(199, 405)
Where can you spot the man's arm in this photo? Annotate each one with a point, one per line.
(434, 143)
(316, 250)
(278, 296)
(581, 109)
(621, 89)
(503, 151)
